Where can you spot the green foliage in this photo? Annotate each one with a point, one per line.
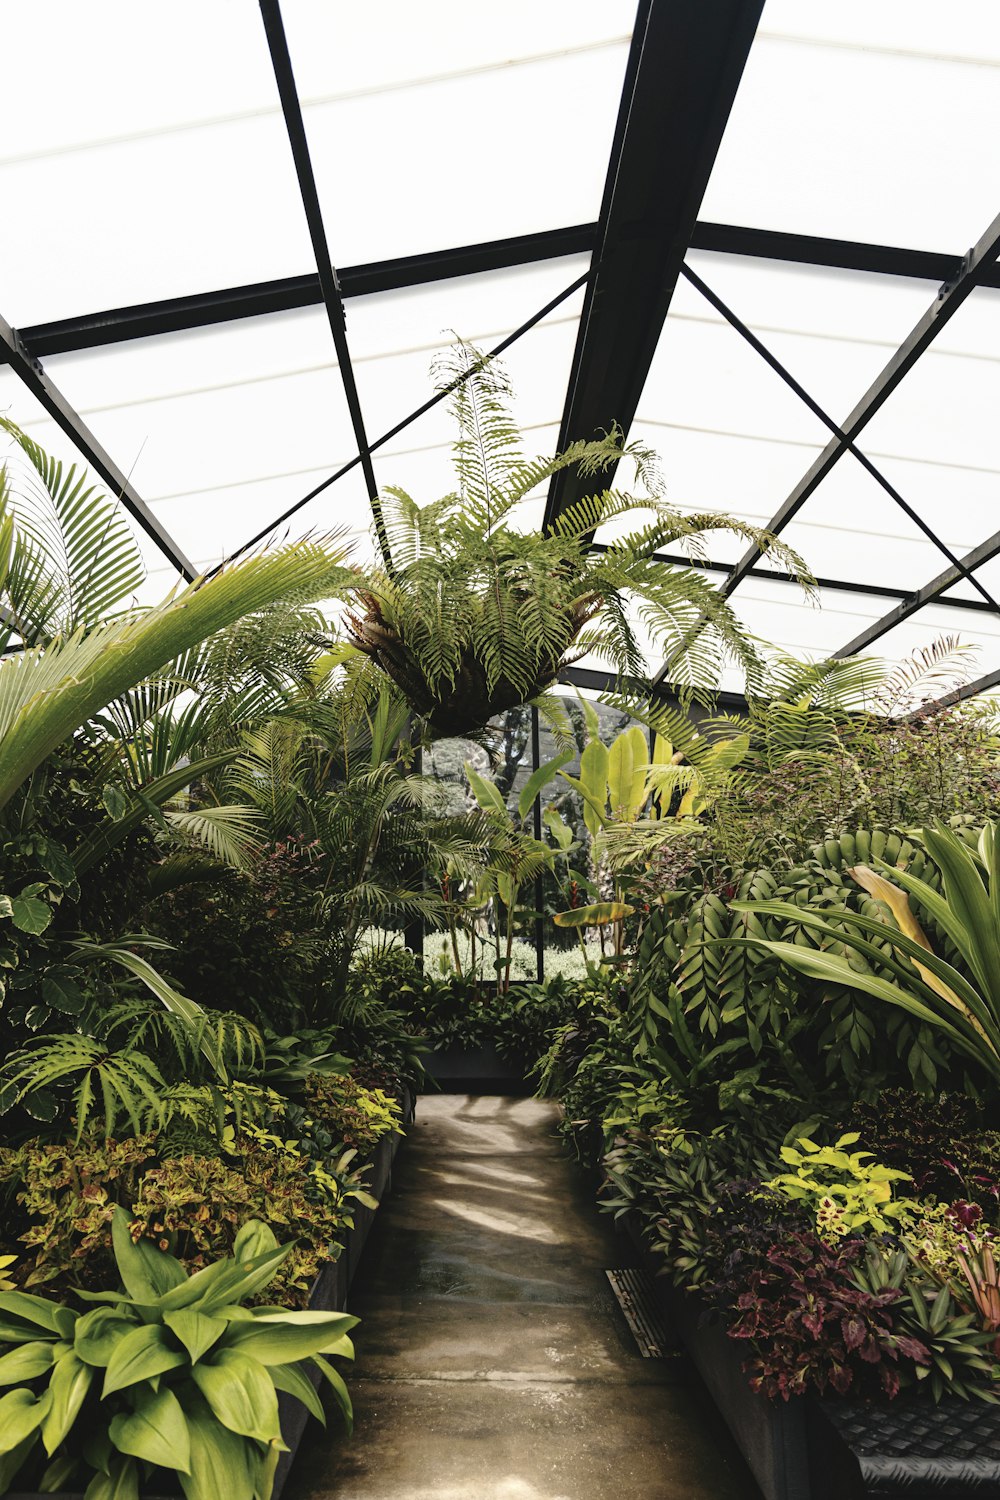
(960, 999)
(172, 1373)
(847, 1192)
(186, 1201)
(478, 615)
(358, 1116)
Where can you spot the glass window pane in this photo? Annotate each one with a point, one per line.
(473, 125)
(866, 122)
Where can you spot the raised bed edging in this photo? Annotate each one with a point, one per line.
(480, 1070)
(812, 1449)
(329, 1294)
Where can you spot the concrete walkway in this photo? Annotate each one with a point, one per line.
(493, 1363)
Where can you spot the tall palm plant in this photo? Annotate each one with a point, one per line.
(478, 615)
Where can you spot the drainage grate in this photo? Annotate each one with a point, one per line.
(637, 1300)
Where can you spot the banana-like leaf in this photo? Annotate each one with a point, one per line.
(600, 914)
(898, 903)
(628, 759)
(488, 795)
(539, 780)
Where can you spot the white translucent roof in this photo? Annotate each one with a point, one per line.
(157, 165)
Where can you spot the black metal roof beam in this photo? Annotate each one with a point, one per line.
(596, 680)
(929, 594)
(950, 298)
(203, 310)
(835, 255)
(836, 585)
(29, 370)
(684, 68)
(960, 694)
(291, 108)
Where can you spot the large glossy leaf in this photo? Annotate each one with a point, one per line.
(486, 793)
(293, 1380)
(21, 1412)
(336, 1383)
(121, 1482)
(283, 1338)
(142, 1354)
(241, 1394)
(99, 1332)
(26, 1362)
(222, 1463)
(146, 1272)
(539, 780)
(628, 758)
(155, 1431)
(196, 1332)
(67, 1388)
(600, 914)
(39, 1311)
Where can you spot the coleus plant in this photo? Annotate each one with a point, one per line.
(171, 1373)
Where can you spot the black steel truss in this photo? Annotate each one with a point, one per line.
(931, 593)
(684, 68)
(291, 108)
(682, 75)
(949, 299)
(29, 370)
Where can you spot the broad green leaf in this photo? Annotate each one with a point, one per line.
(293, 1380)
(488, 795)
(241, 1394)
(30, 914)
(628, 758)
(155, 1431)
(147, 1272)
(31, 1309)
(593, 784)
(539, 780)
(99, 1332)
(21, 1412)
(196, 1332)
(68, 1386)
(26, 1362)
(339, 1388)
(222, 1463)
(253, 1239)
(601, 914)
(141, 1355)
(120, 1483)
(58, 1474)
(283, 1338)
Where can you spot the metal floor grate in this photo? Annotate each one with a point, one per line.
(637, 1300)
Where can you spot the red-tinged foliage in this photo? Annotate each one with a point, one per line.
(812, 1328)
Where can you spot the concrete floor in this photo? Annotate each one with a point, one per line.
(493, 1362)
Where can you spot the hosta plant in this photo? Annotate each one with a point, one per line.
(173, 1372)
(478, 613)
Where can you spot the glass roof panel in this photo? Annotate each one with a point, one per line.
(155, 162)
(221, 429)
(395, 337)
(866, 122)
(978, 631)
(472, 126)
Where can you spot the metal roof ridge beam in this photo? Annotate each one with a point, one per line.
(286, 294)
(29, 370)
(949, 299)
(684, 68)
(930, 593)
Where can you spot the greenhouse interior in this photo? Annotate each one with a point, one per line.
(500, 751)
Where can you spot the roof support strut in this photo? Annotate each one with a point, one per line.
(292, 110)
(949, 299)
(927, 595)
(30, 371)
(684, 68)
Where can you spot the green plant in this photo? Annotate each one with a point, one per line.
(66, 1197)
(172, 1373)
(959, 999)
(359, 1116)
(847, 1192)
(476, 615)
